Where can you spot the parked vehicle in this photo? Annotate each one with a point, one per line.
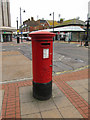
(25, 38)
(28, 39)
(15, 37)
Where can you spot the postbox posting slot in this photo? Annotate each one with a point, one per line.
(45, 44)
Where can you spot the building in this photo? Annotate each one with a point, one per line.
(5, 22)
(66, 33)
(50, 23)
(72, 22)
(32, 25)
(72, 26)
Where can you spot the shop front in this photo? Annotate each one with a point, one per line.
(6, 34)
(7, 37)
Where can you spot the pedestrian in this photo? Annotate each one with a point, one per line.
(69, 40)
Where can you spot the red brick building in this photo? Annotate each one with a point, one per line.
(32, 25)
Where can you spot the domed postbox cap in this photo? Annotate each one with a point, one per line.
(42, 35)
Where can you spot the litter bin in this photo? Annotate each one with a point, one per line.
(42, 54)
(17, 39)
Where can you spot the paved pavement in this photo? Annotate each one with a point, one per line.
(15, 66)
(69, 98)
(69, 93)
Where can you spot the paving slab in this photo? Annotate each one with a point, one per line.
(62, 102)
(53, 113)
(70, 112)
(10, 53)
(57, 93)
(46, 105)
(26, 94)
(80, 89)
(85, 95)
(15, 66)
(28, 108)
(33, 115)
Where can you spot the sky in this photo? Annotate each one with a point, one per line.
(68, 9)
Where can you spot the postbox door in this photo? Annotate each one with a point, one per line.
(46, 61)
(42, 61)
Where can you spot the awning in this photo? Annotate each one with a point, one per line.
(70, 29)
(10, 29)
(66, 29)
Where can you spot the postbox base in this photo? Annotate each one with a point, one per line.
(42, 91)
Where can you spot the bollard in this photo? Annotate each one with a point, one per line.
(17, 39)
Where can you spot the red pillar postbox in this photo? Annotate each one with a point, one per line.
(42, 54)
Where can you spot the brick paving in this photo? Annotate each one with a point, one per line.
(80, 104)
(11, 100)
(11, 107)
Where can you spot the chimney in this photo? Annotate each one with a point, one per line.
(29, 19)
(32, 19)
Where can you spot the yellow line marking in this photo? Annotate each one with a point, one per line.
(74, 70)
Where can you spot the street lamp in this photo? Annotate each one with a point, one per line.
(21, 21)
(17, 23)
(53, 20)
(17, 31)
(53, 39)
(87, 38)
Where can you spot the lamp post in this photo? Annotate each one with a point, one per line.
(17, 23)
(53, 20)
(53, 39)
(21, 21)
(17, 31)
(87, 38)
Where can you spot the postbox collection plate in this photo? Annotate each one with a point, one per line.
(45, 53)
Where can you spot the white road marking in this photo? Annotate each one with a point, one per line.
(17, 80)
